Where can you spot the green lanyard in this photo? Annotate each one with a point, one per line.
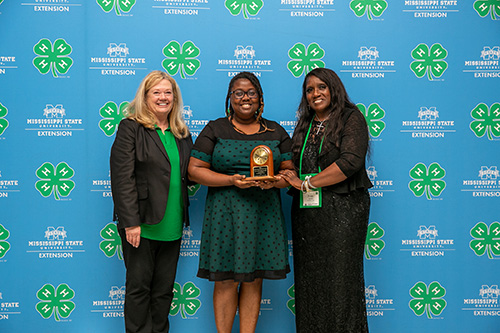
(304, 146)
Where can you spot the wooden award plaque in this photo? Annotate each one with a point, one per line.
(261, 163)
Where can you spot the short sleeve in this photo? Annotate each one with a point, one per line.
(204, 144)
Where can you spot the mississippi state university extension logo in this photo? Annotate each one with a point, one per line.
(429, 61)
(370, 7)
(373, 115)
(427, 300)
(55, 180)
(55, 301)
(195, 125)
(185, 299)
(4, 245)
(374, 244)
(486, 239)
(375, 306)
(304, 60)
(248, 7)
(181, 59)
(427, 180)
(486, 303)
(428, 125)
(290, 304)
(4, 123)
(112, 114)
(485, 7)
(111, 243)
(52, 57)
(119, 5)
(486, 121)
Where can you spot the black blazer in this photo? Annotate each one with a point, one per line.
(140, 175)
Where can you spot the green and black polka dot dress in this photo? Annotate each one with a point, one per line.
(244, 235)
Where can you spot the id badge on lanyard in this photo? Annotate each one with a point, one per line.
(313, 197)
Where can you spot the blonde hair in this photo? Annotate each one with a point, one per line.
(138, 109)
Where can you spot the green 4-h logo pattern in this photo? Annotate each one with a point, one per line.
(483, 7)
(123, 5)
(373, 116)
(112, 243)
(371, 7)
(3, 122)
(4, 245)
(192, 189)
(112, 115)
(181, 58)
(429, 61)
(249, 7)
(55, 180)
(486, 120)
(428, 300)
(486, 239)
(291, 302)
(185, 299)
(303, 61)
(57, 302)
(52, 57)
(427, 180)
(373, 243)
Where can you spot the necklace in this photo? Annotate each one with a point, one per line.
(320, 126)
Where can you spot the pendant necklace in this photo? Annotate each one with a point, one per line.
(320, 126)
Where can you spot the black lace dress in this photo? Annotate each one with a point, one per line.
(328, 242)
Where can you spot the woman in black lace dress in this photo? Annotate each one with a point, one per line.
(330, 208)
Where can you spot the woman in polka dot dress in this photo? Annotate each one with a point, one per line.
(244, 238)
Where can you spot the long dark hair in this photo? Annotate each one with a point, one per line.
(334, 125)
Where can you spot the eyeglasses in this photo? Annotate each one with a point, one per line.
(240, 93)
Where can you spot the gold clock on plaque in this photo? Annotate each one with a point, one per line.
(261, 163)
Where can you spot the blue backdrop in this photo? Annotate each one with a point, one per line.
(424, 73)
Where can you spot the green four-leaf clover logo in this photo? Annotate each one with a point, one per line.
(3, 122)
(55, 180)
(429, 61)
(192, 189)
(52, 57)
(373, 243)
(372, 7)
(486, 120)
(483, 7)
(428, 300)
(181, 58)
(112, 242)
(185, 299)
(373, 116)
(291, 302)
(427, 180)
(57, 302)
(249, 7)
(112, 115)
(486, 239)
(303, 61)
(123, 5)
(4, 245)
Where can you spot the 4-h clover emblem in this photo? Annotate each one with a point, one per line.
(427, 300)
(4, 245)
(427, 180)
(192, 189)
(483, 7)
(3, 122)
(249, 7)
(55, 180)
(486, 120)
(185, 299)
(112, 242)
(291, 302)
(373, 243)
(429, 61)
(373, 116)
(303, 61)
(181, 58)
(112, 115)
(123, 5)
(371, 7)
(52, 57)
(57, 302)
(486, 239)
